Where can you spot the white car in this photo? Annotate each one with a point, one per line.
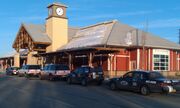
(53, 71)
(29, 70)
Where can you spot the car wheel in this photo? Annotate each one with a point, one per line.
(51, 78)
(113, 86)
(27, 76)
(40, 77)
(19, 75)
(99, 83)
(144, 90)
(84, 82)
(69, 81)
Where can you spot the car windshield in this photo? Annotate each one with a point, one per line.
(62, 67)
(33, 67)
(97, 69)
(154, 75)
(16, 68)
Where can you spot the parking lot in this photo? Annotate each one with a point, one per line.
(20, 92)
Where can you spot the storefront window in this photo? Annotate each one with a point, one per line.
(161, 62)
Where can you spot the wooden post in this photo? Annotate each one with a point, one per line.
(70, 61)
(11, 62)
(90, 59)
(42, 62)
(110, 65)
(17, 60)
(101, 61)
(54, 59)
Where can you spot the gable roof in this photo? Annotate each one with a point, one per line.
(93, 35)
(37, 32)
(125, 35)
(116, 34)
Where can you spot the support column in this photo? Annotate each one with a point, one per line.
(70, 61)
(90, 59)
(115, 65)
(42, 62)
(54, 59)
(138, 58)
(111, 66)
(31, 60)
(6, 63)
(11, 62)
(17, 60)
(101, 61)
(110, 71)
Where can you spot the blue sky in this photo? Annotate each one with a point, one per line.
(162, 15)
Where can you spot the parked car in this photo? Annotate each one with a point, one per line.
(29, 70)
(142, 81)
(86, 74)
(54, 71)
(12, 71)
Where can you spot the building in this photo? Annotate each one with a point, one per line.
(117, 47)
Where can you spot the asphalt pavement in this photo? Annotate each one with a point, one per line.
(19, 92)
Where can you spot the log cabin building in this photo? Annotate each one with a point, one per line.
(115, 46)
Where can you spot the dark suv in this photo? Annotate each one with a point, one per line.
(86, 74)
(12, 71)
(144, 82)
(54, 71)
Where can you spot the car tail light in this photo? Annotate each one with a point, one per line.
(163, 84)
(89, 75)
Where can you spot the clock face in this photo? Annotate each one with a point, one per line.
(59, 11)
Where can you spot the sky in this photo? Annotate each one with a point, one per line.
(162, 17)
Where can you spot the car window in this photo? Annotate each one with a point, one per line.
(86, 70)
(154, 75)
(76, 70)
(45, 68)
(98, 69)
(128, 75)
(52, 67)
(80, 70)
(33, 67)
(136, 76)
(62, 67)
(24, 67)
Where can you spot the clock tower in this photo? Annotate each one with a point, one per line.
(57, 26)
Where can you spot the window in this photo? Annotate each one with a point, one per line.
(128, 75)
(80, 70)
(86, 70)
(33, 67)
(52, 67)
(137, 76)
(161, 62)
(62, 67)
(154, 75)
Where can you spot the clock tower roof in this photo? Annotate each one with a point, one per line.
(57, 4)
